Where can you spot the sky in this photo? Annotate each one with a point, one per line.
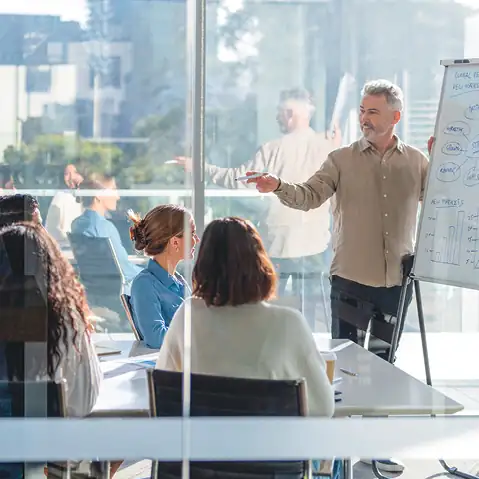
(76, 9)
(67, 9)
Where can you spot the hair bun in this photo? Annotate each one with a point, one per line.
(137, 231)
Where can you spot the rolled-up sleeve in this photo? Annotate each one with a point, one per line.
(225, 177)
(83, 375)
(314, 192)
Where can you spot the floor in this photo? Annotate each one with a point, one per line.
(454, 360)
(427, 469)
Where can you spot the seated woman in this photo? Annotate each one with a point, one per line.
(234, 332)
(18, 208)
(158, 291)
(92, 221)
(40, 295)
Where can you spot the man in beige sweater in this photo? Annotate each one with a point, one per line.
(297, 241)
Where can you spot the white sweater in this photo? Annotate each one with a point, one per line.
(63, 210)
(80, 368)
(257, 340)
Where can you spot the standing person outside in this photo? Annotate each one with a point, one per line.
(297, 242)
(64, 208)
(7, 185)
(376, 184)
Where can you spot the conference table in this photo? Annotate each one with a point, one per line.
(378, 389)
(373, 387)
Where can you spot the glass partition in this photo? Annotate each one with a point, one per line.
(117, 105)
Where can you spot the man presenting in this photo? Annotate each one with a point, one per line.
(296, 241)
(377, 183)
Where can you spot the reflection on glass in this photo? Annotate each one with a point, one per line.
(99, 89)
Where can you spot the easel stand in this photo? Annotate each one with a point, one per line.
(407, 263)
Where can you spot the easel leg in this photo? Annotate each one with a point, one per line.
(400, 319)
(422, 327)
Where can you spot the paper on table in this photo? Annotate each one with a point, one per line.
(112, 369)
(146, 363)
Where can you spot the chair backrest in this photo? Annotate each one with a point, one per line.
(31, 399)
(122, 224)
(366, 318)
(125, 301)
(98, 269)
(221, 396)
(36, 399)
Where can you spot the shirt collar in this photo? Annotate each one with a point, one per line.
(364, 144)
(93, 214)
(162, 275)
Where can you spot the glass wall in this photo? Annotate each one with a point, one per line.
(138, 91)
(109, 89)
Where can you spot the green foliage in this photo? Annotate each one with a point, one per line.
(41, 162)
(164, 134)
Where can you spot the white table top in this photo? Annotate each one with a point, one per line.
(380, 389)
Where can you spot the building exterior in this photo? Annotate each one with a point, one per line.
(52, 72)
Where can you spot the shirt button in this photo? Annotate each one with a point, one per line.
(387, 233)
(385, 196)
(384, 177)
(387, 251)
(385, 214)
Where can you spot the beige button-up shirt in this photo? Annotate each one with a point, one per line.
(286, 232)
(374, 210)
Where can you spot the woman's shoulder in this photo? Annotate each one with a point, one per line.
(144, 278)
(286, 319)
(196, 304)
(281, 311)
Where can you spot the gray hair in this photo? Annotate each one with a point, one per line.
(393, 93)
(300, 95)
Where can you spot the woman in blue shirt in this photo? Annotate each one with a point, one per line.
(93, 223)
(158, 291)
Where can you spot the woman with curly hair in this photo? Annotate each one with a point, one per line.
(44, 326)
(158, 291)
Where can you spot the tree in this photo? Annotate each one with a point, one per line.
(164, 134)
(38, 163)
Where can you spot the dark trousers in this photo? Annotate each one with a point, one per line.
(385, 302)
(309, 275)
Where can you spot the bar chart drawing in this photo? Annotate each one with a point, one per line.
(476, 240)
(447, 240)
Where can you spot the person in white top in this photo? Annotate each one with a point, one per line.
(234, 331)
(64, 208)
(297, 241)
(7, 185)
(45, 332)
